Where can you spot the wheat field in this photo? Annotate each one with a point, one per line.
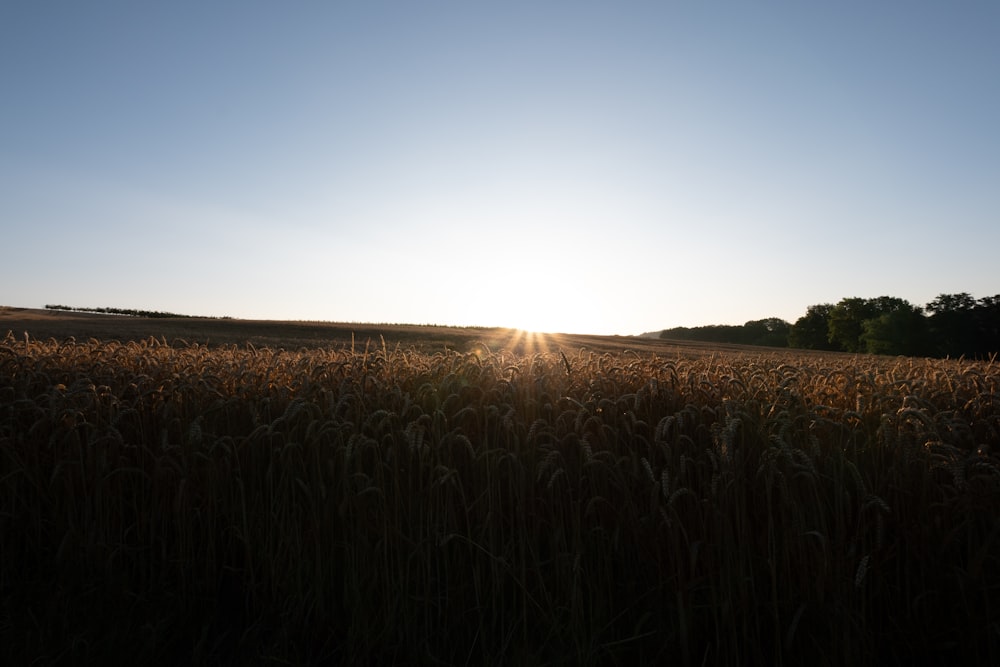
(183, 504)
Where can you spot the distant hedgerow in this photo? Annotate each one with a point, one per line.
(131, 312)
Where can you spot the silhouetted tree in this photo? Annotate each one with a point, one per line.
(846, 323)
(772, 331)
(953, 324)
(987, 326)
(850, 328)
(812, 330)
(957, 325)
(901, 328)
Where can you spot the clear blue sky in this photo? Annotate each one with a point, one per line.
(614, 167)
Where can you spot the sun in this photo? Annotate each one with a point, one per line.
(532, 318)
(526, 342)
(527, 300)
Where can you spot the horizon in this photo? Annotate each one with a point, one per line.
(589, 168)
(138, 312)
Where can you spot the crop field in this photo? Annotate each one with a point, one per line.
(170, 502)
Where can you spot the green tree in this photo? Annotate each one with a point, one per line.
(901, 328)
(812, 330)
(953, 324)
(772, 331)
(846, 323)
(851, 330)
(987, 327)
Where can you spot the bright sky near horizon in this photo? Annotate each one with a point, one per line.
(585, 167)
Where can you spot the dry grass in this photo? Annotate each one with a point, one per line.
(184, 504)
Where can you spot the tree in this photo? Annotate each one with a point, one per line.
(772, 331)
(987, 326)
(953, 324)
(957, 325)
(900, 325)
(902, 329)
(846, 323)
(812, 330)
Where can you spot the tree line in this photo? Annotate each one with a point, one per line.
(952, 325)
(131, 312)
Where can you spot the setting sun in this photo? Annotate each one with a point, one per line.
(529, 342)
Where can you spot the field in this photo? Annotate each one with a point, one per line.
(45, 324)
(227, 492)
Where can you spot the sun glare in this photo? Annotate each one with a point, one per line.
(528, 342)
(520, 303)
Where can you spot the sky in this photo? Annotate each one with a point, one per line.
(580, 167)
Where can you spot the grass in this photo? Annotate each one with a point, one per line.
(171, 503)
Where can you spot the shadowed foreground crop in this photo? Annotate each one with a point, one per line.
(182, 504)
